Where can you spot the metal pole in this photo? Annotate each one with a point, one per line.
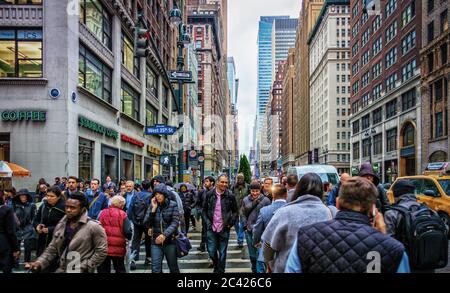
(180, 65)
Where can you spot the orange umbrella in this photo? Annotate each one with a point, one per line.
(17, 171)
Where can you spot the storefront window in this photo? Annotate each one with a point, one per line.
(97, 20)
(155, 168)
(21, 53)
(93, 75)
(138, 168)
(4, 147)
(85, 158)
(127, 165)
(148, 169)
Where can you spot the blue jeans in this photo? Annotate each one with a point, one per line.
(252, 251)
(239, 227)
(217, 249)
(158, 253)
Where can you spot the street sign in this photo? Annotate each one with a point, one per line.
(192, 154)
(201, 159)
(160, 129)
(181, 75)
(164, 160)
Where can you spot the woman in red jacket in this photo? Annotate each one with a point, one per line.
(118, 230)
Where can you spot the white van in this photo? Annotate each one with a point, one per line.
(326, 172)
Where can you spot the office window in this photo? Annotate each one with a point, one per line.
(355, 87)
(96, 19)
(391, 109)
(439, 125)
(337, 90)
(355, 127)
(128, 60)
(355, 68)
(356, 154)
(430, 30)
(355, 49)
(338, 135)
(344, 135)
(337, 101)
(391, 5)
(355, 10)
(21, 53)
(365, 37)
(376, 23)
(391, 57)
(151, 115)
(376, 115)
(366, 147)
(343, 78)
(409, 42)
(408, 70)
(130, 101)
(365, 79)
(152, 82)
(365, 58)
(376, 91)
(444, 21)
(444, 54)
(377, 69)
(354, 107)
(337, 78)
(343, 123)
(338, 112)
(377, 46)
(365, 100)
(343, 101)
(390, 82)
(343, 112)
(408, 13)
(391, 31)
(165, 96)
(391, 140)
(377, 144)
(337, 66)
(365, 122)
(430, 5)
(93, 75)
(409, 99)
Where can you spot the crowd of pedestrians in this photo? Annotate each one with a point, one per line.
(302, 225)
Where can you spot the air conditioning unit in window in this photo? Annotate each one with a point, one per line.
(382, 94)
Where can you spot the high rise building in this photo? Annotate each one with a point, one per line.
(75, 100)
(329, 79)
(283, 32)
(385, 81)
(308, 15)
(287, 115)
(206, 23)
(233, 86)
(435, 65)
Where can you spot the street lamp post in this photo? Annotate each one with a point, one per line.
(176, 17)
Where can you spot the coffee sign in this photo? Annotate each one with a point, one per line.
(23, 115)
(96, 127)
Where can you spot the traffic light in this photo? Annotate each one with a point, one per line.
(142, 41)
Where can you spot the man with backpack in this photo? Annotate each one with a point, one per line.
(419, 228)
(136, 212)
(97, 200)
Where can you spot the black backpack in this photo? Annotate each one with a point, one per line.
(139, 208)
(424, 235)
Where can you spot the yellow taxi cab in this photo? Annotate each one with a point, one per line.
(432, 189)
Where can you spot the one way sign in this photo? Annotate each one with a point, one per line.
(181, 75)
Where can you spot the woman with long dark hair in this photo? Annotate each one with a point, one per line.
(305, 209)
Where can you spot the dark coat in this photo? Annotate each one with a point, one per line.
(188, 200)
(49, 216)
(250, 210)
(230, 210)
(8, 238)
(166, 218)
(25, 213)
(343, 245)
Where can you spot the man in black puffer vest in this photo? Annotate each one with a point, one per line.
(354, 242)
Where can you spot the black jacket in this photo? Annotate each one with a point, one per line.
(49, 216)
(345, 245)
(188, 200)
(166, 218)
(8, 238)
(200, 198)
(230, 210)
(25, 213)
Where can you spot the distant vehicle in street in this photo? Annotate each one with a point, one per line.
(432, 189)
(327, 173)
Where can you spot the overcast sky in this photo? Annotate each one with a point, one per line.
(243, 18)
